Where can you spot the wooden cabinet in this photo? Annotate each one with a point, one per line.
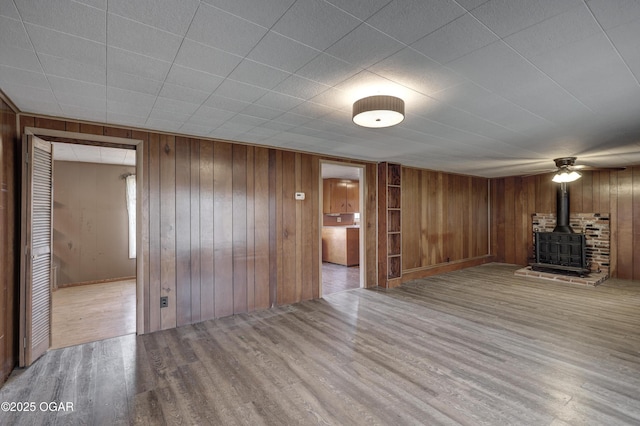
(341, 196)
(341, 245)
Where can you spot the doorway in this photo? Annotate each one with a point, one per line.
(94, 245)
(342, 240)
(38, 278)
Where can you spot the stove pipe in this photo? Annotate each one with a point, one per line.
(562, 209)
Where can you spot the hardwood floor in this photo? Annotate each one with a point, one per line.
(337, 278)
(92, 312)
(472, 347)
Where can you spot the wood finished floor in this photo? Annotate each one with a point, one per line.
(473, 347)
(92, 312)
(337, 278)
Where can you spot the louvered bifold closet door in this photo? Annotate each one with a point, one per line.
(37, 285)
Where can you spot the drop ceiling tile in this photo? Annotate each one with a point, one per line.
(573, 25)
(164, 125)
(506, 17)
(9, 75)
(262, 112)
(328, 70)
(194, 129)
(169, 15)
(181, 109)
(29, 96)
(264, 12)
(193, 79)
(464, 35)
(66, 16)
(416, 72)
(258, 75)
(143, 39)
(19, 58)
(300, 87)
(185, 94)
(278, 101)
(315, 23)
(497, 67)
(8, 9)
(282, 52)
(214, 117)
(123, 108)
(471, 123)
(364, 46)
(292, 119)
(239, 91)
(418, 18)
(222, 30)
(480, 102)
(197, 56)
(135, 64)
(98, 4)
(334, 99)
(163, 115)
(13, 34)
(133, 82)
(258, 134)
(246, 120)
(226, 104)
(77, 87)
(588, 68)
(66, 46)
(551, 102)
(207, 123)
(82, 113)
(311, 110)
(238, 126)
(38, 105)
(277, 126)
(87, 103)
(625, 39)
(612, 13)
(471, 4)
(361, 9)
(129, 97)
(59, 67)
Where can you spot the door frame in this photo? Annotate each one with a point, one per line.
(363, 218)
(139, 147)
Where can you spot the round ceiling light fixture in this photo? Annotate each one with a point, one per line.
(378, 111)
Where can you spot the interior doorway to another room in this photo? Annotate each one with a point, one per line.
(94, 237)
(342, 242)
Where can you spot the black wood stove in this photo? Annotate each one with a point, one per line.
(561, 250)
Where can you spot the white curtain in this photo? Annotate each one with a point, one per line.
(131, 210)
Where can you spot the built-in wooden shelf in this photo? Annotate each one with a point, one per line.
(390, 225)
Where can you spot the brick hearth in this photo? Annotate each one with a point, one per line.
(595, 226)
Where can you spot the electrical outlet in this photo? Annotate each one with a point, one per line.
(338, 219)
(164, 301)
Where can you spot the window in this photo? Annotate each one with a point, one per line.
(131, 210)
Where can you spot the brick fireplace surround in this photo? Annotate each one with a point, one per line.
(596, 228)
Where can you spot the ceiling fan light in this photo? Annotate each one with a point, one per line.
(566, 176)
(378, 111)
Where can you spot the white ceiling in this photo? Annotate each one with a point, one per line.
(93, 154)
(492, 88)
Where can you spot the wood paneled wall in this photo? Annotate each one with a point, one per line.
(9, 240)
(444, 220)
(222, 232)
(515, 199)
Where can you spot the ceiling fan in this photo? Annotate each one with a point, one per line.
(567, 171)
